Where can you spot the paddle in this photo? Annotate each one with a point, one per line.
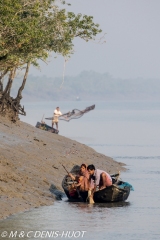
(68, 173)
(42, 119)
(65, 168)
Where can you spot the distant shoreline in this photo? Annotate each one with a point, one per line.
(89, 85)
(31, 161)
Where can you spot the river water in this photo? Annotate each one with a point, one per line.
(130, 133)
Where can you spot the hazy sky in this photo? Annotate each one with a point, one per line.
(132, 47)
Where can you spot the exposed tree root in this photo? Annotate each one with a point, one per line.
(11, 108)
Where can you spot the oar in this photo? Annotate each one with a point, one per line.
(65, 168)
(67, 172)
(42, 119)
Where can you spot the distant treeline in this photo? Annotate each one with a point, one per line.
(89, 85)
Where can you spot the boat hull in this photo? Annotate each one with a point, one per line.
(109, 194)
(45, 127)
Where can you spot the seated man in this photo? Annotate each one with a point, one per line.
(98, 178)
(81, 178)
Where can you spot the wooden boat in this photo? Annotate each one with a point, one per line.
(118, 192)
(45, 127)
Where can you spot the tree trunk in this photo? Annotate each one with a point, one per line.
(11, 82)
(19, 95)
(7, 90)
(10, 107)
(1, 77)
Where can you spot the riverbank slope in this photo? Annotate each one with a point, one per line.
(31, 161)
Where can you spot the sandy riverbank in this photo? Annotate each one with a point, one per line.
(31, 161)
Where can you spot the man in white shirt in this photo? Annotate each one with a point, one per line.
(56, 115)
(98, 178)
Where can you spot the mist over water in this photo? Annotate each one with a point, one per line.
(130, 133)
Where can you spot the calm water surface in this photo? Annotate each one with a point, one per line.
(130, 133)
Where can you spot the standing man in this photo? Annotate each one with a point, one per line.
(56, 115)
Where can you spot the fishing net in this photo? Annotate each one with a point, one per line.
(74, 114)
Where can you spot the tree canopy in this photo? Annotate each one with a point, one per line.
(30, 30)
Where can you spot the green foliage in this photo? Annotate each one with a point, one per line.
(31, 29)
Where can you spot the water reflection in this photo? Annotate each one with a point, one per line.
(97, 206)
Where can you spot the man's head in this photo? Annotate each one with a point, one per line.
(91, 169)
(57, 108)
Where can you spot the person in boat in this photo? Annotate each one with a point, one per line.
(56, 115)
(98, 178)
(82, 178)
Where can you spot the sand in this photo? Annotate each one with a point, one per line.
(31, 162)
